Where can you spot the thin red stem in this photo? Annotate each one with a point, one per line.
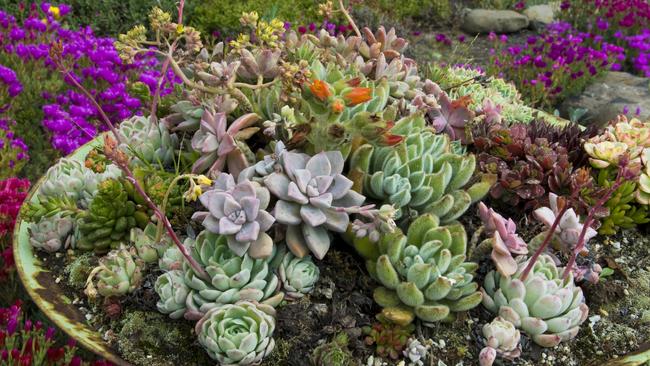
(589, 220)
(547, 240)
(193, 263)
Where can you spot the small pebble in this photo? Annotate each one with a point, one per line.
(603, 312)
(616, 245)
(89, 316)
(57, 280)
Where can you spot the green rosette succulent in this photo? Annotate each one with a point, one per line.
(231, 277)
(109, 219)
(118, 273)
(313, 196)
(424, 174)
(297, 275)
(144, 242)
(71, 179)
(147, 142)
(238, 334)
(50, 233)
(424, 273)
(545, 306)
(172, 258)
(173, 292)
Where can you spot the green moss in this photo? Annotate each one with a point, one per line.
(153, 339)
(79, 269)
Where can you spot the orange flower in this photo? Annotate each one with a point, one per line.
(463, 102)
(357, 96)
(320, 90)
(337, 106)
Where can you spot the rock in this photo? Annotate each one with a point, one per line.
(613, 94)
(498, 21)
(540, 14)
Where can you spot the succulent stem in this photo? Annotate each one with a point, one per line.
(622, 172)
(349, 18)
(547, 240)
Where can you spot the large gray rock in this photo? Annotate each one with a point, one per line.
(610, 96)
(540, 13)
(498, 21)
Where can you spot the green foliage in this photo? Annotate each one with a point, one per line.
(505, 4)
(334, 353)
(624, 212)
(223, 16)
(416, 9)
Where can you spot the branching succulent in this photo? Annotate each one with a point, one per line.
(149, 143)
(237, 211)
(313, 196)
(546, 307)
(424, 273)
(231, 277)
(118, 273)
(238, 334)
(421, 175)
(501, 338)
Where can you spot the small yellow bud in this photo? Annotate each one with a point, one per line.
(193, 193)
(180, 29)
(203, 180)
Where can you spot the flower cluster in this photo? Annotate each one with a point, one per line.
(94, 62)
(13, 192)
(13, 150)
(10, 82)
(25, 342)
(559, 62)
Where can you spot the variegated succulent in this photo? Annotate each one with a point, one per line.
(421, 175)
(313, 196)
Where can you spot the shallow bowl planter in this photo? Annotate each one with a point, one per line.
(42, 287)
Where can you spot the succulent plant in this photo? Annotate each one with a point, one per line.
(237, 211)
(118, 273)
(297, 275)
(453, 117)
(421, 175)
(545, 306)
(390, 339)
(569, 228)
(72, 179)
(109, 219)
(267, 165)
(217, 145)
(502, 338)
(529, 160)
(643, 192)
(507, 229)
(312, 197)
(335, 352)
(416, 352)
(382, 42)
(259, 63)
(145, 245)
(50, 233)
(172, 258)
(231, 277)
(623, 211)
(173, 292)
(424, 273)
(186, 117)
(238, 334)
(148, 142)
(220, 74)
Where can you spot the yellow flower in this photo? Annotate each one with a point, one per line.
(203, 180)
(180, 29)
(44, 20)
(193, 193)
(55, 11)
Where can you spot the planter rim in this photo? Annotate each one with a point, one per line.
(87, 336)
(43, 289)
